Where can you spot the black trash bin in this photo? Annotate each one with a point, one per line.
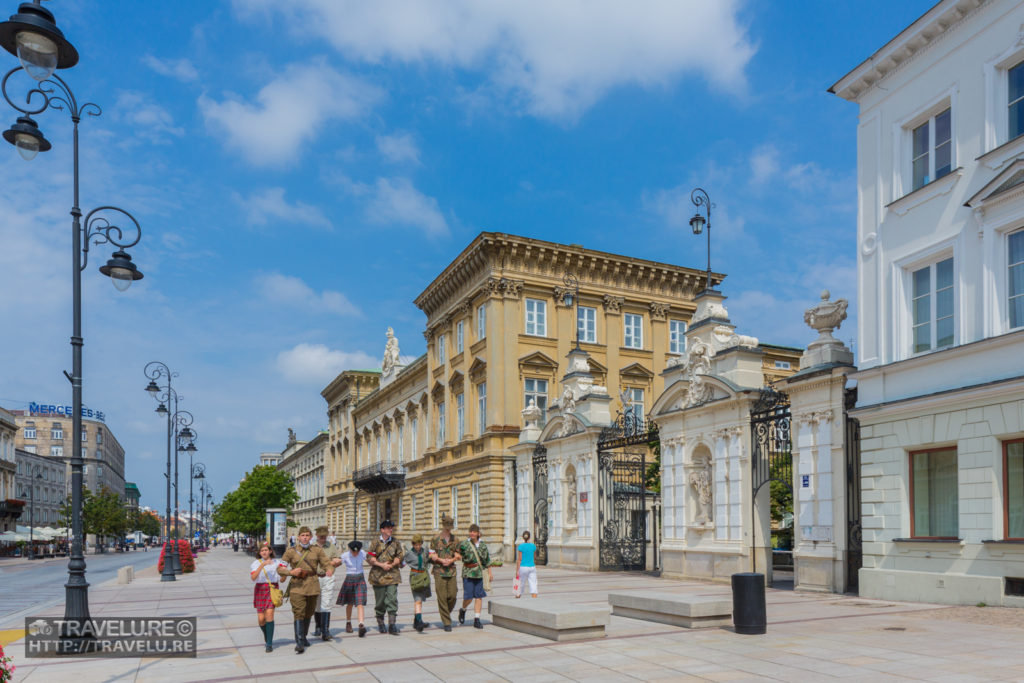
(749, 613)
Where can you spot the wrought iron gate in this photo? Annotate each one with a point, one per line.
(772, 449)
(540, 503)
(622, 493)
(854, 535)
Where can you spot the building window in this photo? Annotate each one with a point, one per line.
(633, 331)
(460, 411)
(455, 506)
(390, 440)
(481, 405)
(783, 365)
(29, 431)
(476, 503)
(99, 472)
(458, 337)
(442, 352)
(1013, 485)
(412, 511)
(99, 437)
(57, 433)
(636, 402)
(932, 155)
(536, 317)
(85, 436)
(481, 321)
(437, 507)
(412, 437)
(378, 448)
(1015, 277)
(57, 451)
(440, 424)
(537, 390)
(1015, 101)
(932, 306)
(933, 494)
(30, 448)
(401, 443)
(85, 452)
(676, 336)
(586, 324)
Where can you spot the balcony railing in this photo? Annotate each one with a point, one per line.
(11, 507)
(380, 477)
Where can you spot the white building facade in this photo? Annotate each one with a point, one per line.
(940, 247)
(303, 461)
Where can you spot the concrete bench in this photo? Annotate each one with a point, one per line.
(126, 574)
(690, 611)
(549, 619)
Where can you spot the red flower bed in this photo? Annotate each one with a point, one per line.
(188, 561)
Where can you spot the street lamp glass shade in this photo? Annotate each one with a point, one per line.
(697, 223)
(161, 409)
(191, 447)
(153, 389)
(32, 35)
(567, 298)
(121, 270)
(37, 53)
(27, 138)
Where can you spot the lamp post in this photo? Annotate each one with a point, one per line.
(32, 512)
(32, 35)
(198, 471)
(572, 298)
(700, 198)
(209, 514)
(154, 371)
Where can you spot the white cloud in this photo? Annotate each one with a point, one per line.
(150, 120)
(289, 111)
(395, 200)
(555, 58)
(270, 205)
(292, 291)
(180, 69)
(764, 165)
(398, 148)
(316, 363)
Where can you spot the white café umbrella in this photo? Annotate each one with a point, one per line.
(11, 537)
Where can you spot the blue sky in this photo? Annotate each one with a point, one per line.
(302, 172)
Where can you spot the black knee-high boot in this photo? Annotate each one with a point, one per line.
(305, 631)
(268, 632)
(316, 621)
(300, 647)
(325, 624)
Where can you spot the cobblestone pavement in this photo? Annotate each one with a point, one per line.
(811, 637)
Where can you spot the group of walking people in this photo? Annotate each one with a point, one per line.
(310, 569)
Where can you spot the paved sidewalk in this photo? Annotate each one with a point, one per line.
(810, 637)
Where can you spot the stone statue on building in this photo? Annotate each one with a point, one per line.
(390, 353)
(291, 436)
(700, 480)
(698, 364)
(532, 415)
(568, 401)
(825, 317)
(570, 500)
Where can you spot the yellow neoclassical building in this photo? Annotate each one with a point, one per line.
(431, 436)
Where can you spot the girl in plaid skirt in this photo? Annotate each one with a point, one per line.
(264, 572)
(353, 590)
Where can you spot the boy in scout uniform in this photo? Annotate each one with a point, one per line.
(385, 557)
(322, 615)
(444, 553)
(306, 560)
(475, 559)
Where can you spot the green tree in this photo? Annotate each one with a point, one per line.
(103, 514)
(244, 509)
(146, 522)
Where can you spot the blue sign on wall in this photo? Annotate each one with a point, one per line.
(44, 410)
(805, 480)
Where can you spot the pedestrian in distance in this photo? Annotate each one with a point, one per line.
(353, 590)
(264, 572)
(444, 553)
(385, 555)
(475, 559)
(417, 559)
(306, 560)
(322, 616)
(526, 565)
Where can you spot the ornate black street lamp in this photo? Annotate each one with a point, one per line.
(32, 35)
(32, 511)
(154, 371)
(700, 198)
(572, 298)
(198, 471)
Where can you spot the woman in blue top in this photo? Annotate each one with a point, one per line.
(526, 567)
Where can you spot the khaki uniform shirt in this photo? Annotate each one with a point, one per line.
(331, 552)
(470, 568)
(315, 561)
(386, 553)
(443, 551)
